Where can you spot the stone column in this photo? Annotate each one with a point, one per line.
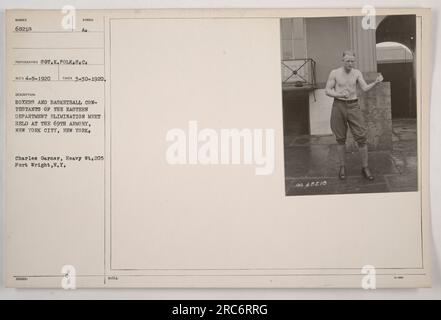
(363, 42)
(376, 103)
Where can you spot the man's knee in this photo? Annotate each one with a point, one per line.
(341, 141)
(361, 141)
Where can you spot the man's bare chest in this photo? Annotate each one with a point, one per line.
(346, 80)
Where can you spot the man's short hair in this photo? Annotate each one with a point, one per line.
(348, 53)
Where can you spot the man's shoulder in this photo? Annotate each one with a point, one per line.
(334, 72)
(357, 72)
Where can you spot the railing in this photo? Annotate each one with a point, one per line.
(299, 73)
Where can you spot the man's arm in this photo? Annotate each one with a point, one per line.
(366, 87)
(330, 87)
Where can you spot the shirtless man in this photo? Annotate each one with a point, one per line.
(342, 85)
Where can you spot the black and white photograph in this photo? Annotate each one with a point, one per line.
(258, 151)
(349, 104)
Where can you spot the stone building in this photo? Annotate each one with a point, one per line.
(312, 47)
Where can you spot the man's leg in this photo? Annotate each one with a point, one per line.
(359, 131)
(364, 155)
(341, 149)
(364, 162)
(339, 127)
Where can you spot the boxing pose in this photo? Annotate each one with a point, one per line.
(342, 85)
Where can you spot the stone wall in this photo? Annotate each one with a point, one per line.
(376, 107)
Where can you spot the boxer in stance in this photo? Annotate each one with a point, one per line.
(342, 85)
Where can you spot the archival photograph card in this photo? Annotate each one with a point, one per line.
(257, 148)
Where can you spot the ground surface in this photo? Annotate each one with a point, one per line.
(311, 164)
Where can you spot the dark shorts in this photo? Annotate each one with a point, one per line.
(348, 114)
